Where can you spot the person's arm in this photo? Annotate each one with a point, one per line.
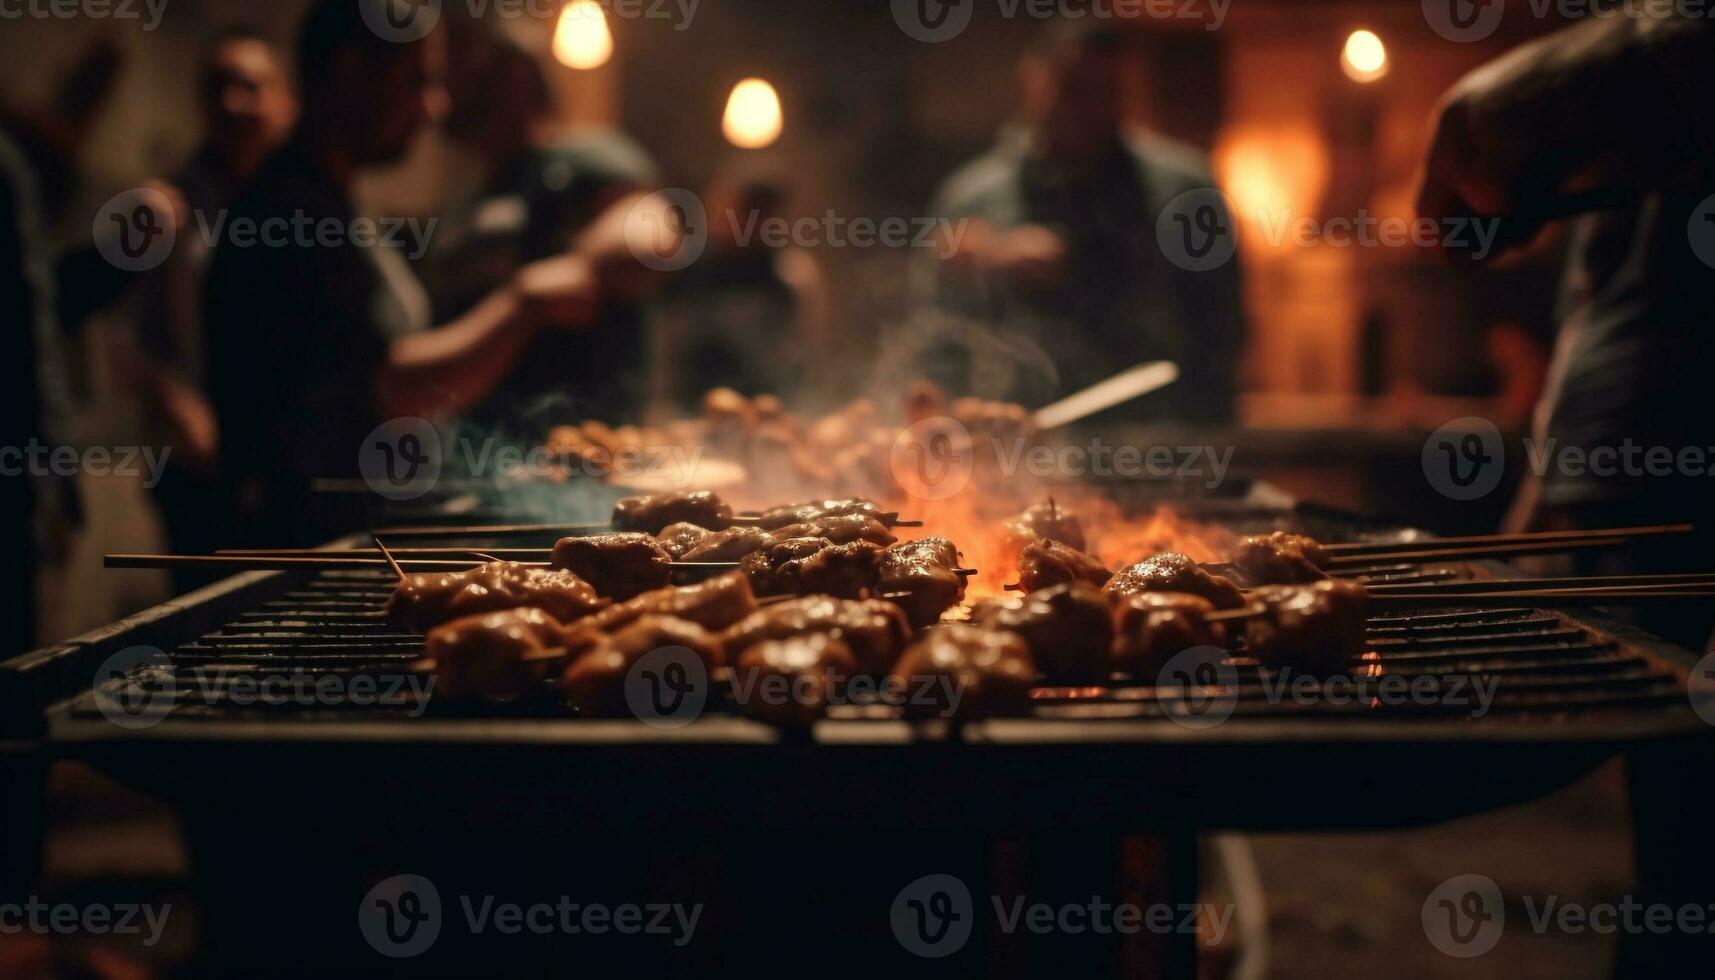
(1593, 115)
(454, 366)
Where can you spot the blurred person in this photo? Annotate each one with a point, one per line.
(1609, 118)
(751, 313)
(247, 106)
(529, 193)
(312, 342)
(1060, 253)
(33, 391)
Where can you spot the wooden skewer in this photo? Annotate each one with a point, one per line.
(1439, 544)
(1341, 561)
(387, 555)
(340, 561)
(890, 518)
(1545, 597)
(1701, 579)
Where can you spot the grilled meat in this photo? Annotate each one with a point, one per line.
(815, 510)
(620, 565)
(1174, 572)
(1151, 628)
(1281, 559)
(1046, 522)
(921, 577)
(875, 631)
(421, 602)
(729, 545)
(1043, 564)
(498, 656)
(677, 539)
(594, 683)
(713, 605)
(1068, 628)
(1316, 628)
(966, 672)
(650, 514)
(788, 681)
(764, 565)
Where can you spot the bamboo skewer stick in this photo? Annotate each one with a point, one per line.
(1480, 540)
(339, 561)
(1700, 579)
(889, 518)
(1344, 562)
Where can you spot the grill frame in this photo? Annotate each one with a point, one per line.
(1133, 774)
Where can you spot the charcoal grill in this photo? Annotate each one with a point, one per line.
(1572, 690)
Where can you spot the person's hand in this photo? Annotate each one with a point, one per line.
(562, 292)
(1474, 168)
(1029, 254)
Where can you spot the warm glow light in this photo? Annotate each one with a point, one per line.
(581, 38)
(1274, 175)
(753, 119)
(1365, 57)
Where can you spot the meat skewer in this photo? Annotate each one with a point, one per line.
(423, 601)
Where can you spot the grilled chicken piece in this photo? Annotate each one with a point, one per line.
(875, 631)
(788, 682)
(729, 545)
(921, 577)
(763, 565)
(620, 565)
(1174, 572)
(1068, 628)
(966, 672)
(652, 513)
(816, 510)
(1046, 522)
(1316, 628)
(1044, 564)
(1281, 559)
(713, 605)
(595, 681)
(497, 657)
(1150, 628)
(841, 529)
(679, 538)
(808, 566)
(421, 602)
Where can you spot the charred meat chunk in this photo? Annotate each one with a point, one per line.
(875, 631)
(1150, 628)
(1043, 564)
(650, 514)
(1281, 559)
(679, 538)
(1046, 522)
(788, 682)
(816, 510)
(620, 565)
(1174, 572)
(966, 672)
(594, 683)
(1317, 628)
(713, 605)
(729, 545)
(921, 577)
(421, 602)
(496, 657)
(1069, 629)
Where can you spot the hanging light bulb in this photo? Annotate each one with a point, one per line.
(1364, 57)
(581, 38)
(753, 119)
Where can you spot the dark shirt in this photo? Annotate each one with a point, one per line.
(296, 335)
(1635, 356)
(1122, 302)
(532, 209)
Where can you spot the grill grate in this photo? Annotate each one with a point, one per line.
(332, 626)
